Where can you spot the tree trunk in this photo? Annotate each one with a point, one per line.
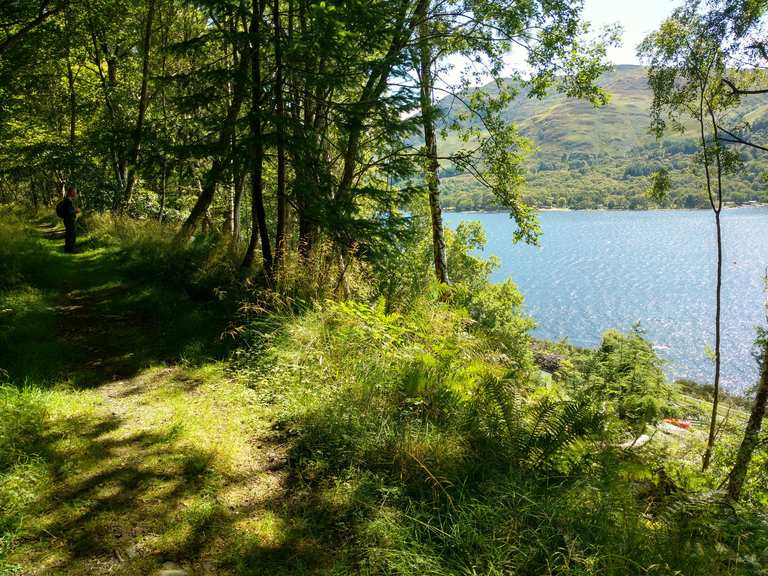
(163, 103)
(163, 190)
(237, 201)
(72, 105)
(752, 433)
(305, 227)
(204, 199)
(430, 145)
(229, 216)
(143, 101)
(282, 204)
(107, 83)
(259, 230)
(715, 401)
(717, 206)
(226, 137)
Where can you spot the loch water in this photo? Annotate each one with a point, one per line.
(596, 270)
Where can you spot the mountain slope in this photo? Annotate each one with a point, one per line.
(589, 157)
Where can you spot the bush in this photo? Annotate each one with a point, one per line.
(18, 252)
(539, 431)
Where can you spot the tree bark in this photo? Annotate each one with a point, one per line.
(752, 433)
(229, 217)
(716, 204)
(237, 201)
(72, 104)
(259, 230)
(226, 137)
(282, 204)
(164, 107)
(107, 83)
(163, 190)
(143, 102)
(430, 145)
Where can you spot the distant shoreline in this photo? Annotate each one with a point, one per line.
(503, 211)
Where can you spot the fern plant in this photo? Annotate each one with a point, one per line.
(534, 433)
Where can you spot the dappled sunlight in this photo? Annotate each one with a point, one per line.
(132, 483)
(86, 322)
(147, 451)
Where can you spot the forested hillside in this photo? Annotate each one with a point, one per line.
(602, 157)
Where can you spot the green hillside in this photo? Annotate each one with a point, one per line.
(589, 157)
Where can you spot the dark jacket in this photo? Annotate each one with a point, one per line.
(69, 210)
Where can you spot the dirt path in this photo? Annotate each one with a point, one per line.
(156, 460)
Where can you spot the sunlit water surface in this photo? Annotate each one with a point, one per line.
(596, 270)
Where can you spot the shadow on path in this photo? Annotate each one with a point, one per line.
(88, 319)
(155, 456)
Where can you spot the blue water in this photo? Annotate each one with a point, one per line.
(596, 270)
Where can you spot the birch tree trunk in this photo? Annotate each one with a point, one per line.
(716, 203)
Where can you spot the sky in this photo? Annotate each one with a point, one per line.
(637, 17)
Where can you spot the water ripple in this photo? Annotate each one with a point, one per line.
(599, 270)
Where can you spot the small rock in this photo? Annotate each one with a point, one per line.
(172, 569)
(637, 442)
(132, 551)
(547, 361)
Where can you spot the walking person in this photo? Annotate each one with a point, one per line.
(69, 214)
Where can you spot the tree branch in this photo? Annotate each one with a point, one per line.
(13, 39)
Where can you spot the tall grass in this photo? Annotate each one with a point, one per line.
(206, 266)
(422, 450)
(23, 467)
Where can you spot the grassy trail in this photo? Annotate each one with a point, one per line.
(152, 456)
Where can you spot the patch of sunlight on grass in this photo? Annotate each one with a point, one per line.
(266, 530)
(64, 403)
(195, 522)
(215, 413)
(23, 300)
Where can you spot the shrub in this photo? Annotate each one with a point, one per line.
(546, 431)
(18, 252)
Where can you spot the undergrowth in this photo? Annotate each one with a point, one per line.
(426, 441)
(422, 437)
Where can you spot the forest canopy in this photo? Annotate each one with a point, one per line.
(292, 120)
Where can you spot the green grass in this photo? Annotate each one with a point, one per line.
(335, 438)
(125, 442)
(408, 461)
(88, 317)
